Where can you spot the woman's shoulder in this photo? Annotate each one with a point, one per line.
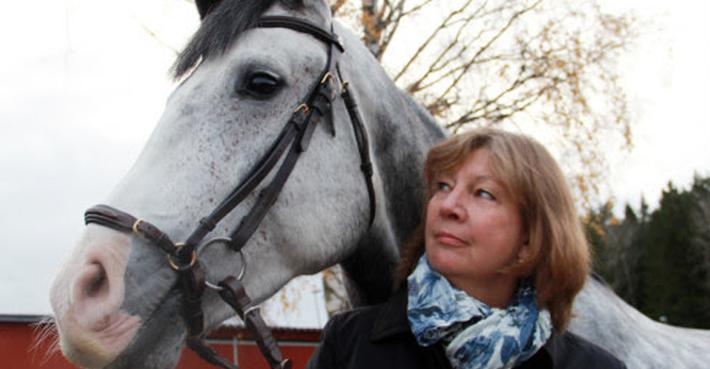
(351, 324)
(341, 335)
(374, 321)
(356, 314)
(569, 350)
(374, 337)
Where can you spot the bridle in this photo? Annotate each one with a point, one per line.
(290, 143)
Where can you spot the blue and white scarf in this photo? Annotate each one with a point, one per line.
(475, 335)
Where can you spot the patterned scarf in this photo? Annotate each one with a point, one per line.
(475, 335)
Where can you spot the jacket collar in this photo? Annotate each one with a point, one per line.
(554, 350)
(392, 321)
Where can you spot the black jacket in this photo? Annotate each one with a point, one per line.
(378, 336)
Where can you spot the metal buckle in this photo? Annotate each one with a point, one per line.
(303, 107)
(326, 77)
(137, 224)
(179, 268)
(344, 86)
(251, 309)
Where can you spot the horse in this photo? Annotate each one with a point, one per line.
(118, 303)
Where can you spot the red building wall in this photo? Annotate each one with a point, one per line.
(19, 349)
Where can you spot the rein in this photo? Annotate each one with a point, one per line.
(293, 139)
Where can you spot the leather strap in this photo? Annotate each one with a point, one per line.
(110, 217)
(192, 284)
(234, 294)
(301, 25)
(363, 144)
(208, 354)
(118, 220)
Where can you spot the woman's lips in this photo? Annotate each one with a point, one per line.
(449, 239)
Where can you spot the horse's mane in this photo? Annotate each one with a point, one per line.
(219, 28)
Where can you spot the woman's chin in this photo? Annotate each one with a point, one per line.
(448, 261)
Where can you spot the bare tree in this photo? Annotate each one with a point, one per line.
(335, 291)
(474, 63)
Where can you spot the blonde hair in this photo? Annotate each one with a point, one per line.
(558, 262)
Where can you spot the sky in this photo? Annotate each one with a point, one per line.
(83, 82)
(667, 79)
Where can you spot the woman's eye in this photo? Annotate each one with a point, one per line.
(485, 194)
(261, 85)
(442, 186)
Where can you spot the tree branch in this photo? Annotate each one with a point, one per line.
(443, 25)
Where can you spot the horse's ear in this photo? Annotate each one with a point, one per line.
(204, 7)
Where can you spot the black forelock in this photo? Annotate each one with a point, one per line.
(219, 28)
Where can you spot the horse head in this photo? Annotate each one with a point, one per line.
(246, 75)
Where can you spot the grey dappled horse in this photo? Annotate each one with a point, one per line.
(115, 301)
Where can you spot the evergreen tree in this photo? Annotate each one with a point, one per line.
(659, 261)
(673, 282)
(700, 249)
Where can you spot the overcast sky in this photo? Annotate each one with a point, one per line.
(82, 84)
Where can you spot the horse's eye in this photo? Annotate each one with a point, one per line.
(261, 85)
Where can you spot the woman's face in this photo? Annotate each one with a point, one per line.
(473, 228)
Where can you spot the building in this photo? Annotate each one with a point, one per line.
(21, 349)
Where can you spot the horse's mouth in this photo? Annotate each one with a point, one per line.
(123, 337)
(158, 340)
(95, 348)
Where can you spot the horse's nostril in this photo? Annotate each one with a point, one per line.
(97, 283)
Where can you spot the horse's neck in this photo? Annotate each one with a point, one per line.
(399, 145)
(404, 140)
(603, 318)
(401, 132)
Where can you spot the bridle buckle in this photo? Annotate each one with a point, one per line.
(326, 77)
(302, 107)
(179, 267)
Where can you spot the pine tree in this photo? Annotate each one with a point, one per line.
(659, 261)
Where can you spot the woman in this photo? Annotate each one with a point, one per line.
(489, 277)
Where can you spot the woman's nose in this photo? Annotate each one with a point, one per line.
(451, 207)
